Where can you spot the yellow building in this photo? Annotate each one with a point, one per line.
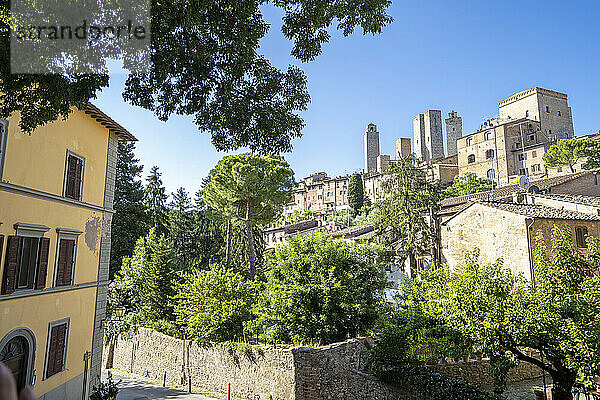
(56, 198)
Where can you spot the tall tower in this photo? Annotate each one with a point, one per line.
(403, 148)
(453, 132)
(419, 136)
(428, 135)
(371, 148)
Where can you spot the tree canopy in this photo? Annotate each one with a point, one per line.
(504, 315)
(205, 62)
(406, 195)
(467, 184)
(356, 193)
(568, 152)
(321, 290)
(252, 188)
(129, 220)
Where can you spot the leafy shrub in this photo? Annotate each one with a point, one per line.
(215, 304)
(321, 290)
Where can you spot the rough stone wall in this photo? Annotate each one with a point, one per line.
(497, 234)
(371, 148)
(588, 185)
(453, 132)
(280, 373)
(419, 136)
(403, 147)
(476, 371)
(433, 133)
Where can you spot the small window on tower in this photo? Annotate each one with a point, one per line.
(559, 113)
(547, 109)
(526, 113)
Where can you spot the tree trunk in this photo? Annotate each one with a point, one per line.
(250, 237)
(562, 385)
(228, 244)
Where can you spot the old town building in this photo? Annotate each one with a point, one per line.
(56, 196)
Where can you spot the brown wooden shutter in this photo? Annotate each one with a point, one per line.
(42, 265)
(56, 350)
(65, 262)
(70, 179)
(11, 264)
(78, 175)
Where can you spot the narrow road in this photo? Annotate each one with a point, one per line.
(135, 388)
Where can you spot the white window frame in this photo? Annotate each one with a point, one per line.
(82, 158)
(50, 326)
(66, 234)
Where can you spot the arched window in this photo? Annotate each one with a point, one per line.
(471, 158)
(17, 351)
(526, 113)
(489, 154)
(491, 173)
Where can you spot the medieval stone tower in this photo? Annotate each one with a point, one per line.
(371, 148)
(453, 132)
(427, 129)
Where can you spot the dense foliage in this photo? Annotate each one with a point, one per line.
(155, 200)
(504, 314)
(356, 193)
(129, 220)
(467, 184)
(407, 195)
(568, 152)
(205, 62)
(215, 304)
(252, 188)
(321, 290)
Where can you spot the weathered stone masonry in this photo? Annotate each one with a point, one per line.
(278, 373)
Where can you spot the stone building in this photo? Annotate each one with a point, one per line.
(371, 148)
(508, 230)
(503, 149)
(551, 109)
(320, 194)
(453, 132)
(427, 129)
(383, 162)
(403, 147)
(585, 183)
(443, 169)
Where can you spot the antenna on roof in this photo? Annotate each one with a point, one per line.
(524, 182)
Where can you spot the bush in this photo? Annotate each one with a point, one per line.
(215, 304)
(321, 290)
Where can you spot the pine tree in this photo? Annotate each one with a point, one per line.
(155, 201)
(129, 222)
(356, 194)
(181, 225)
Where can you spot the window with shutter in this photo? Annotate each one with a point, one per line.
(42, 263)
(73, 176)
(56, 349)
(11, 264)
(580, 236)
(65, 263)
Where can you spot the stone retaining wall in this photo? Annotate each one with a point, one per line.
(277, 373)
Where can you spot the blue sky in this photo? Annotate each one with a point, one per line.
(461, 55)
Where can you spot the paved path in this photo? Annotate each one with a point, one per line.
(136, 388)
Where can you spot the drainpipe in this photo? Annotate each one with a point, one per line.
(86, 357)
(529, 249)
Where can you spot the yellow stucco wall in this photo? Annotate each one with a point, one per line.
(38, 160)
(36, 312)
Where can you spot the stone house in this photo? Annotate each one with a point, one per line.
(508, 230)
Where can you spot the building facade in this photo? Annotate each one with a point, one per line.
(508, 231)
(56, 196)
(551, 109)
(504, 149)
(427, 129)
(403, 147)
(453, 132)
(371, 148)
(320, 194)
